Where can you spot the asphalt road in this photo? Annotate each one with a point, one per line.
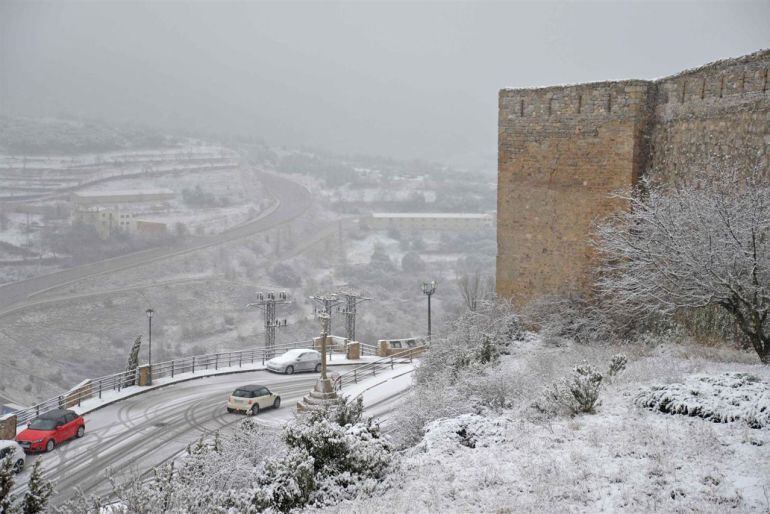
(136, 434)
(292, 201)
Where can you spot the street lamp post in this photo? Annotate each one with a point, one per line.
(325, 319)
(428, 288)
(150, 314)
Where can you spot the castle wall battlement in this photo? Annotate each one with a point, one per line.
(563, 149)
(598, 100)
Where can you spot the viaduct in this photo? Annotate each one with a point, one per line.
(563, 149)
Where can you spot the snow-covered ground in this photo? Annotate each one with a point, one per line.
(623, 458)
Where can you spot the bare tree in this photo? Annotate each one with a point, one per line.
(706, 242)
(475, 287)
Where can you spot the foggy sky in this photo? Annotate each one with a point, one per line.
(397, 79)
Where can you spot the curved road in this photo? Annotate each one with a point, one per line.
(292, 201)
(133, 435)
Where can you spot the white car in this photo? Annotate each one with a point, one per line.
(13, 450)
(299, 359)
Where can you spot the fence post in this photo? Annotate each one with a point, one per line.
(229, 359)
(193, 364)
(100, 389)
(216, 362)
(355, 376)
(240, 359)
(172, 369)
(252, 356)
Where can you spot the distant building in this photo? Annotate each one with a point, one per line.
(88, 198)
(111, 212)
(429, 221)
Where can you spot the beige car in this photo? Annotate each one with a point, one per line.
(250, 399)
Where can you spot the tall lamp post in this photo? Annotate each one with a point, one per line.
(428, 288)
(150, 314)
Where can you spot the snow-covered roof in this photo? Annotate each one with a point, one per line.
(428, 215)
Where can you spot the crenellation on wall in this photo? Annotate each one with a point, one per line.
(602, 99)
(563, 149)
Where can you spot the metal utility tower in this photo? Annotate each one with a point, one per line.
(325, 304)
(267, 303)
(350, 301)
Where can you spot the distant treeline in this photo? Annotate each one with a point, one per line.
(25, 136)
(332, 172)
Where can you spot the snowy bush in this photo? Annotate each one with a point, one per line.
(721, 398)
(475, 340)
(460, 374)
(617, 365)
(569, 317)
(427, 403)
(449, 435)
(575, 394)
(494, 389)
(286, 482)
(285, 275)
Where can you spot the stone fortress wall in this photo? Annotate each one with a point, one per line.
(562, 151)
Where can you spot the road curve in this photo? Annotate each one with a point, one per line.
(133, 435)
(138, 433)
(292, 201)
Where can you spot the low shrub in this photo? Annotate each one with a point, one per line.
(575, 394)
(721, 398)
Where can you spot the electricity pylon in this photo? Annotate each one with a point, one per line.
(267, 303)
(325, 304)
(350, 301)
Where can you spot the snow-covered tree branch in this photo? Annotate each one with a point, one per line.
(704, 243)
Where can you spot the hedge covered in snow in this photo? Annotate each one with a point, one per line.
(720, 398)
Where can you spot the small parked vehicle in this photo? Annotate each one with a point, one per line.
(13, 450)
(250, 399)
(299, 359)
(48, 430)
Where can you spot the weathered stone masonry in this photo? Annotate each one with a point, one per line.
(563, 149)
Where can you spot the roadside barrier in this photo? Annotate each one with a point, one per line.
(94, 388)
(372, 368)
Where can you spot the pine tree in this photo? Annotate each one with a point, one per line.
(6, 484)
(38, 492)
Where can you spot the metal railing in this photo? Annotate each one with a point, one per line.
(216, 361)
(95, 388)
(83, 391)
(371, 369)
(368, 349)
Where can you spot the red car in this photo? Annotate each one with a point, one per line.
(54, 427)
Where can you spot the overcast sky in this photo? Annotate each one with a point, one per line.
(399, 79)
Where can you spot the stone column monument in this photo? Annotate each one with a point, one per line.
(323, 392)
